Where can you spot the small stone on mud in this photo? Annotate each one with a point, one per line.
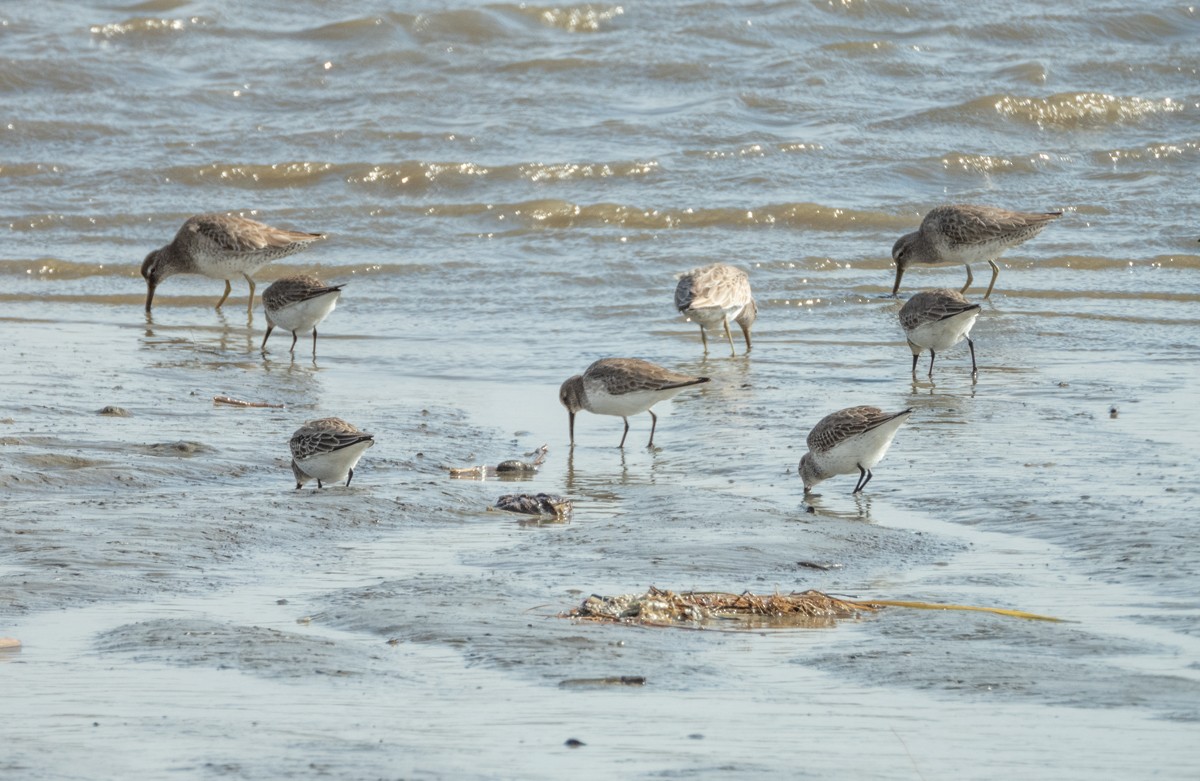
(574, 743)
(1112, 412)
(112, 411)
(9, 643)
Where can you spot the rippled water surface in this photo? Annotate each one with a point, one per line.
(509, 191)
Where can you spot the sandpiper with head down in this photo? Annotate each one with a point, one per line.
(966, 234)
(622, 387)
(936, 320)
(327, 450)
(221, 246)
(849, 440)
(297, 304)
(714, 295)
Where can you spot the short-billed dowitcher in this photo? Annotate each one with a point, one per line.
(221, 246)
(966, 234)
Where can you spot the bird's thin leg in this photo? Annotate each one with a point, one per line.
(653, 423)
(267, 335)
(729, 336)
(319, 485)
(704, 339)
(974, 368)
(915, 357)
(250, 303)
(626, 432)
(932, 358)
(228, 287)
(970, 279)
(995, 273)
(349, 478)
(746, 333)
(862, 476)
(293, 342)
(314, 342)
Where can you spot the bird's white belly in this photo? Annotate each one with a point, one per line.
(866, 449)
(601, 402)
(971, 253)
(305, 315)
(229, 265)
(713, 316)
(335, 466)
(943, 334)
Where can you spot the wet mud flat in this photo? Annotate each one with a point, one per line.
(174, 592)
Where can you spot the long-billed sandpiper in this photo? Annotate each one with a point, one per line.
(966, 234)
(297, 304)
(936, 320)
(327, 450)
(714, 295)
(622, 387)
(220, 246)
(850, 439)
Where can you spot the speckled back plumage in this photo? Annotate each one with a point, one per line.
(294, 289)
(957, 225)
(325, 436)
(930, 306)
(216, 234)
(839, 426)
(627, 375)
(718, 286)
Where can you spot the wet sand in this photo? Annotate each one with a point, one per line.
(173, 591)
(508, 192)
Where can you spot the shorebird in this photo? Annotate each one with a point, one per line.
(716, 294)
(327, 450)
(966, 234)
(937, 320)
(850, 439)
(220, 246)
(622, 387)
(297, 304)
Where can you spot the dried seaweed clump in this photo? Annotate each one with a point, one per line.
(664, 608)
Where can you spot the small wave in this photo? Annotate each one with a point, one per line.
(404, 175)
(553, 213)
(56, 268)
(1063, 111)
(574, 19)
(354, 30)
(1148, 27)
(963, 162)
(1148, 153)
(146, 26)
(863, 8)
(756, 150)
(297, 174)
(1071, 110)
(856, 48)
(1024, 72)
(19, 170)
(472, 26)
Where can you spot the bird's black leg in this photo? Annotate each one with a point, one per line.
(349, 478)
(653, 423)
(626, 432)
(974, 368)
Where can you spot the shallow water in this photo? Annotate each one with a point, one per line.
(509, 191)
